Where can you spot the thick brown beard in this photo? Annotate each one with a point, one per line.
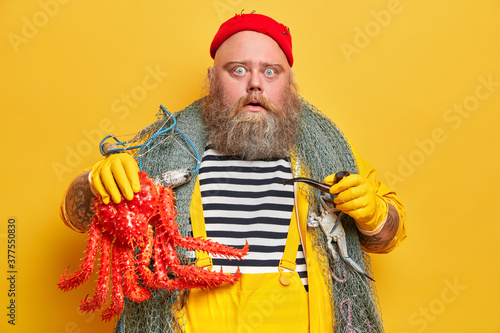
(251, 135)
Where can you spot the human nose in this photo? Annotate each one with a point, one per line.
(254, 83)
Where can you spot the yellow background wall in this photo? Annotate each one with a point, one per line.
(414, 84)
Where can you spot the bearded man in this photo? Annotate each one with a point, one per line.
(256, 132)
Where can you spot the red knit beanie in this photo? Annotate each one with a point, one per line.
(255, 22)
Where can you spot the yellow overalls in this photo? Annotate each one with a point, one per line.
(269, 302)
(259, 302)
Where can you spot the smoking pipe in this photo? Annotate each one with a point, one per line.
(314, 183)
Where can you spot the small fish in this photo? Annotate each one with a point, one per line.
(173, 178)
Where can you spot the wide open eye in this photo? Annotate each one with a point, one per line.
(270, 72)
(239, 70)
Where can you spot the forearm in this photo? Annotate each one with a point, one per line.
(382, 239)
(76, 207)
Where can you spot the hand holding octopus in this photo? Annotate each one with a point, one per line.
(115, 176)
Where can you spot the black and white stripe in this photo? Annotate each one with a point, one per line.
(246, 201)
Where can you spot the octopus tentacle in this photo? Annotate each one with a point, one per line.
(117, 304)
(78, 277)
(213, 248)
(102, 287)
(130, 287)
(147, 276)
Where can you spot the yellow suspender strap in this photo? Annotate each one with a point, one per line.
(291, 248)
(204, 260)
(198, 225)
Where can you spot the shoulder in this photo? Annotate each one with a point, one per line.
(192, 110)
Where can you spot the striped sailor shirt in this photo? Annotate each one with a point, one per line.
(246, 201)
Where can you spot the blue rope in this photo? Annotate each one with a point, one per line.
(194, 149)
(117, 150)
(162, 131)
(147, 144)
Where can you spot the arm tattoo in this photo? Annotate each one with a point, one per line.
(380, 240)
(79, 203)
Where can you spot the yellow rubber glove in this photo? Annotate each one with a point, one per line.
(114, 176)
(358, 198)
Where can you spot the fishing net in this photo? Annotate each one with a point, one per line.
(322, 150)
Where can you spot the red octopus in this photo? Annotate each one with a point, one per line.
(146, 222)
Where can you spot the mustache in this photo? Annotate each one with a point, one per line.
(255, 98)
